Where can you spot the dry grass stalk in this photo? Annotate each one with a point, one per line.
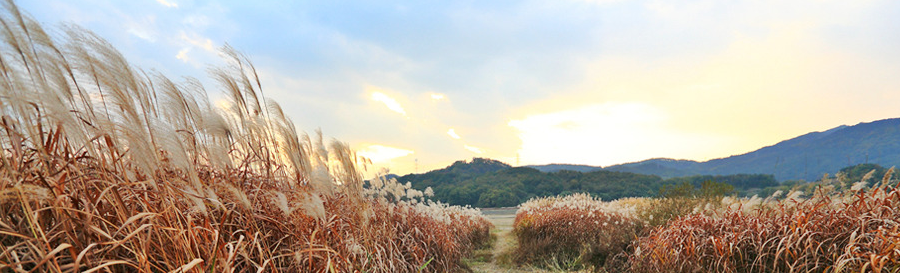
(832, 231)
(106, 168)
(574, 232)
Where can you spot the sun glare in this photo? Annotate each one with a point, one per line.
(381, 153)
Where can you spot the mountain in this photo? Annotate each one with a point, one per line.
(806, 157)
(663, 167)
(488, 183)
(475, 167)
(549, 168)
(453, 174)
(658, 166)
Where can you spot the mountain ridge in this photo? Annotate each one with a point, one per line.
(805, 157)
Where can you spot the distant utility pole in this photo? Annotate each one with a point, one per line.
(417, 165)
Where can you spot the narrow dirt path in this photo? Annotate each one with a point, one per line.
(486, 261)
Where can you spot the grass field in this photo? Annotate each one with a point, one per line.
(843, 226)
(106, 167)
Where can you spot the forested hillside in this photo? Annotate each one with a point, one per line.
(489, 183)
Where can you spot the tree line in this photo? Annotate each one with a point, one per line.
(488, 183)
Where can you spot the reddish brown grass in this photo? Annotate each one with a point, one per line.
(105, 168)
(572, 232)
(828, 233)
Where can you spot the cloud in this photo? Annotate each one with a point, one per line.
(381, 153)
(167, 3)
(189, 41)
(754, 70)
(474, 149)
(199, 41)
(142, 33)
(601, 2)
(604, 133)
(452, 133)
(182, 55)
(388, 101)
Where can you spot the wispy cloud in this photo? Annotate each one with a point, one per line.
(142, 33)
(195, 41)
(182, 55)
(474, 149)
(388, 101)
(452, 133)
(199, 41)
(707, 73)
(381, 153)
(167, 3)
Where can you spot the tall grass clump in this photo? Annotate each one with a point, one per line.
(574, 232)
(679, 200)
(830, 231)
(105, 167)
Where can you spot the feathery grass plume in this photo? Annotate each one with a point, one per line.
(107, 168)
(574, 232)
(831, 231)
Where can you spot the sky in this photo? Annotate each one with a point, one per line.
(416, 85)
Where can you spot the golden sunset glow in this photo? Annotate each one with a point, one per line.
(537, 82)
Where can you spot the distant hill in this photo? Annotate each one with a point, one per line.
(663, 167)
(660, 167)
(806, 157)
(549, 168)
(488, 183)
(453, 174)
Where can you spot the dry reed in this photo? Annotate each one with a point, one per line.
(107, 168)
(832, 231)
(574, 232)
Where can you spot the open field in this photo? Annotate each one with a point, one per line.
(487, 260)
(502, 218)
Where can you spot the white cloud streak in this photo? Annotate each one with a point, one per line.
(167, 3)
(381, 153)
(452, 134)
(388, 101)
(474, 149)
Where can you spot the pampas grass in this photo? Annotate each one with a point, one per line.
(835, 228)
(574, 232)
(829, 232)
(107, 168)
